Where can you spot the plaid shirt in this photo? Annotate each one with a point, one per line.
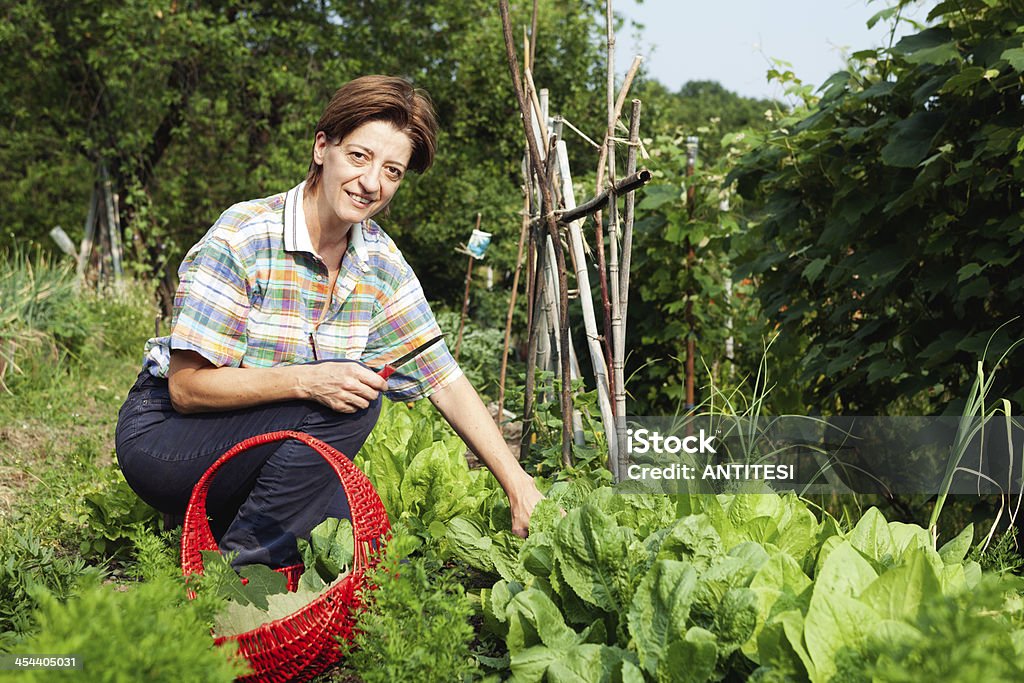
(253, 293)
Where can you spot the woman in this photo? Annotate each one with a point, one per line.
(281, 308)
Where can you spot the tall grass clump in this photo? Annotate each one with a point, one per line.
(50, 326)
(978, 413)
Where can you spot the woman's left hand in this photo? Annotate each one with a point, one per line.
(523, 499)
(466, 413)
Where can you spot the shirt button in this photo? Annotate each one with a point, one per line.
(319, 278)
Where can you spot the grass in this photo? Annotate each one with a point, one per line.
(68, 358)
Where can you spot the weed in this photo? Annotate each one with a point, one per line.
(26, 567)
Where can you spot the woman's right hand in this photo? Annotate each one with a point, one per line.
(342, 387)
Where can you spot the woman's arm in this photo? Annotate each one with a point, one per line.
(461, 406)
(197, 386)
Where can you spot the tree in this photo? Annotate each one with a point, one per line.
(695, 104)
(677, 297)
(193, 106)
(893, 217)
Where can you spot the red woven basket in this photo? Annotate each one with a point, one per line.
(304, 644)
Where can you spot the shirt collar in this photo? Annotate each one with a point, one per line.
(296, 234)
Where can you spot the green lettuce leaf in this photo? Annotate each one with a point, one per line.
(660, 609)
(596, 556)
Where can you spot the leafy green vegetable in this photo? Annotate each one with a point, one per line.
(328, 552)
(238, 618)
(660, 610)
(260, 581)
(595, 554)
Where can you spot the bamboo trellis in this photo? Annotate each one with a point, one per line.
(102, 229)
(551, 218)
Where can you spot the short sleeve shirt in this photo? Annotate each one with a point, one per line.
(253, 292)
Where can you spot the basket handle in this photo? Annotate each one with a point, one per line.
(369, 519)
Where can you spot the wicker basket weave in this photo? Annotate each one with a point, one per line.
(304, 644)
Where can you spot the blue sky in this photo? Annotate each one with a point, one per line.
(733, 41)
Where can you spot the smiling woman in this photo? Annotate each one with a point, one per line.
(281, 308)
(360, 175)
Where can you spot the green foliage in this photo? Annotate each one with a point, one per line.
(703, 587)
(86, 505)
(328, 552)
(26, 567)
(964, 637)
(147, 631)
(111, 513)
(544, 458)
(419, 469)
(1003, 555)
(686, 236)
(415, 624)
(249, 585)
(479, 353)
(50, 328)
(696, 105)
(892, 217)
(256, 594)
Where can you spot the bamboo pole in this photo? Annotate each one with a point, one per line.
(578, 437)
(547, 209)
(627, 83)
(629, 210)
(589, 318)
(627, 250)
(631, 182)
(606, 156)
(549, 310)
(551, 296)
(691, 345)
(607, 147)
(533, 35)
(523, 231)
(85, 251)
(539, 120)
(112, 231)
(534, 327)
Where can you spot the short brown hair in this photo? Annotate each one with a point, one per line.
(380, 98)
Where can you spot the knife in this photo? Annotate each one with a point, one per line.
(390, 368)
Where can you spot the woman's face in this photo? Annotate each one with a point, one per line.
(360, 174)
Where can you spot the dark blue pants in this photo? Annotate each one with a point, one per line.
(263, 499)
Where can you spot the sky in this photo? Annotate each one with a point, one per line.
(734, 41)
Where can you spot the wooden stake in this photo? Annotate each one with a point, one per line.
(533, 34)
(530, 385)
(85, 252)
(523, 231)
(112, 231)
(607, 154)
(465, 298)
(691, 345)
